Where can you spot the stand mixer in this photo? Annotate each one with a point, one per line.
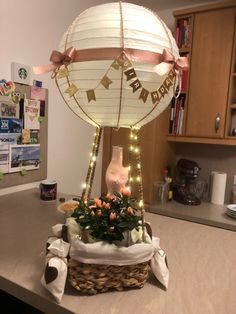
(187, 173)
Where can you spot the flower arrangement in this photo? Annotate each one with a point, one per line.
(108, 217)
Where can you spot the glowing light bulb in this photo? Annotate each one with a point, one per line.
(138, 166)
(94, 158)
(138, 179)
(140, 203)
(84, 185)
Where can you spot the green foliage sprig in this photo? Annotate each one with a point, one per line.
(107, 217)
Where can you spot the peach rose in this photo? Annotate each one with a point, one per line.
(112, 216)
(98, 202)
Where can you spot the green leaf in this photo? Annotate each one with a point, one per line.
(23, 172)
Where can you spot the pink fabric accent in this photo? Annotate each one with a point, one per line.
(169, 62)
(166, 59)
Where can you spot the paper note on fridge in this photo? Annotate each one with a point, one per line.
(31, 114)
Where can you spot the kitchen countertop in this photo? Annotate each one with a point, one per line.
(205, 213)
(201, 261)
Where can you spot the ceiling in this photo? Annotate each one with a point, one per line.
(158, 5)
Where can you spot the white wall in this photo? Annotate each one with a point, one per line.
(30, 30)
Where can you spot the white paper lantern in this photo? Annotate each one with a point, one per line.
(112, 80)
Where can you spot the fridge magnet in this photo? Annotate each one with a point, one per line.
(31, 114)
(9, 109)
(24, 156)
(10, 125)
(37, 83)
(4, 159)
(25, 136)
(6, 88)
(16, 96)
(9, 138)
(23, 172)
(38, 93)
(34, 136)
(20, 73)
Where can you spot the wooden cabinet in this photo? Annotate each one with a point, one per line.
(206, 113)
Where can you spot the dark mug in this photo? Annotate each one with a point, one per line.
(48, 190)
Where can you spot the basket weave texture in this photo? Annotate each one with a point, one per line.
(94, 278)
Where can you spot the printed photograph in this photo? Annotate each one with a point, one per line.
(9, 110)
(24, 156)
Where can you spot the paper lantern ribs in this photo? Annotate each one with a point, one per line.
(106, 66)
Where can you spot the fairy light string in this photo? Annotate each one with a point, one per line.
(92, 164)
(135, 171)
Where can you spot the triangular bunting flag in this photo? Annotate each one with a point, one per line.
(155, 97)
(126, 62)
(162, 90)
(71, 90)
(135, 85)
(167, 83)
(144, 95)
(115, 64)
(63, 72)
(172, 75)
(91, 95)
(106, 81)
(130, 74)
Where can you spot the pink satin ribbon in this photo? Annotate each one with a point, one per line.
(72, 55)
(58, 59)
(180, 64)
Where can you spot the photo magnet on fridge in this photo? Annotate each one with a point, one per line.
(20, 73)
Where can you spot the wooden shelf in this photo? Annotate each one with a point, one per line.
(230, 140)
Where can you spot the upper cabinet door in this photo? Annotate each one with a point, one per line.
(212, 45)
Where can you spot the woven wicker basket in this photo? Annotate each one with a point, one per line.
(94, 278)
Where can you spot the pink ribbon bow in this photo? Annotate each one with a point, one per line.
(179, 64)
(57, 58)
(169, 62)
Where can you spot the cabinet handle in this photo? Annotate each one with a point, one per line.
(217, 122)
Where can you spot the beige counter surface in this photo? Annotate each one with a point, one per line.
(205, 213)
(202, 262)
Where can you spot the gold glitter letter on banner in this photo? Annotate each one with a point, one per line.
(63, 72)
(130, 74)
(167, 83)
(135, 85)
(171, 75)
(162, 90)
(144, 94)
(115, 64)
(155, 97)
(126, 63)
(91, 95)
(71, 90)
(106, 81)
